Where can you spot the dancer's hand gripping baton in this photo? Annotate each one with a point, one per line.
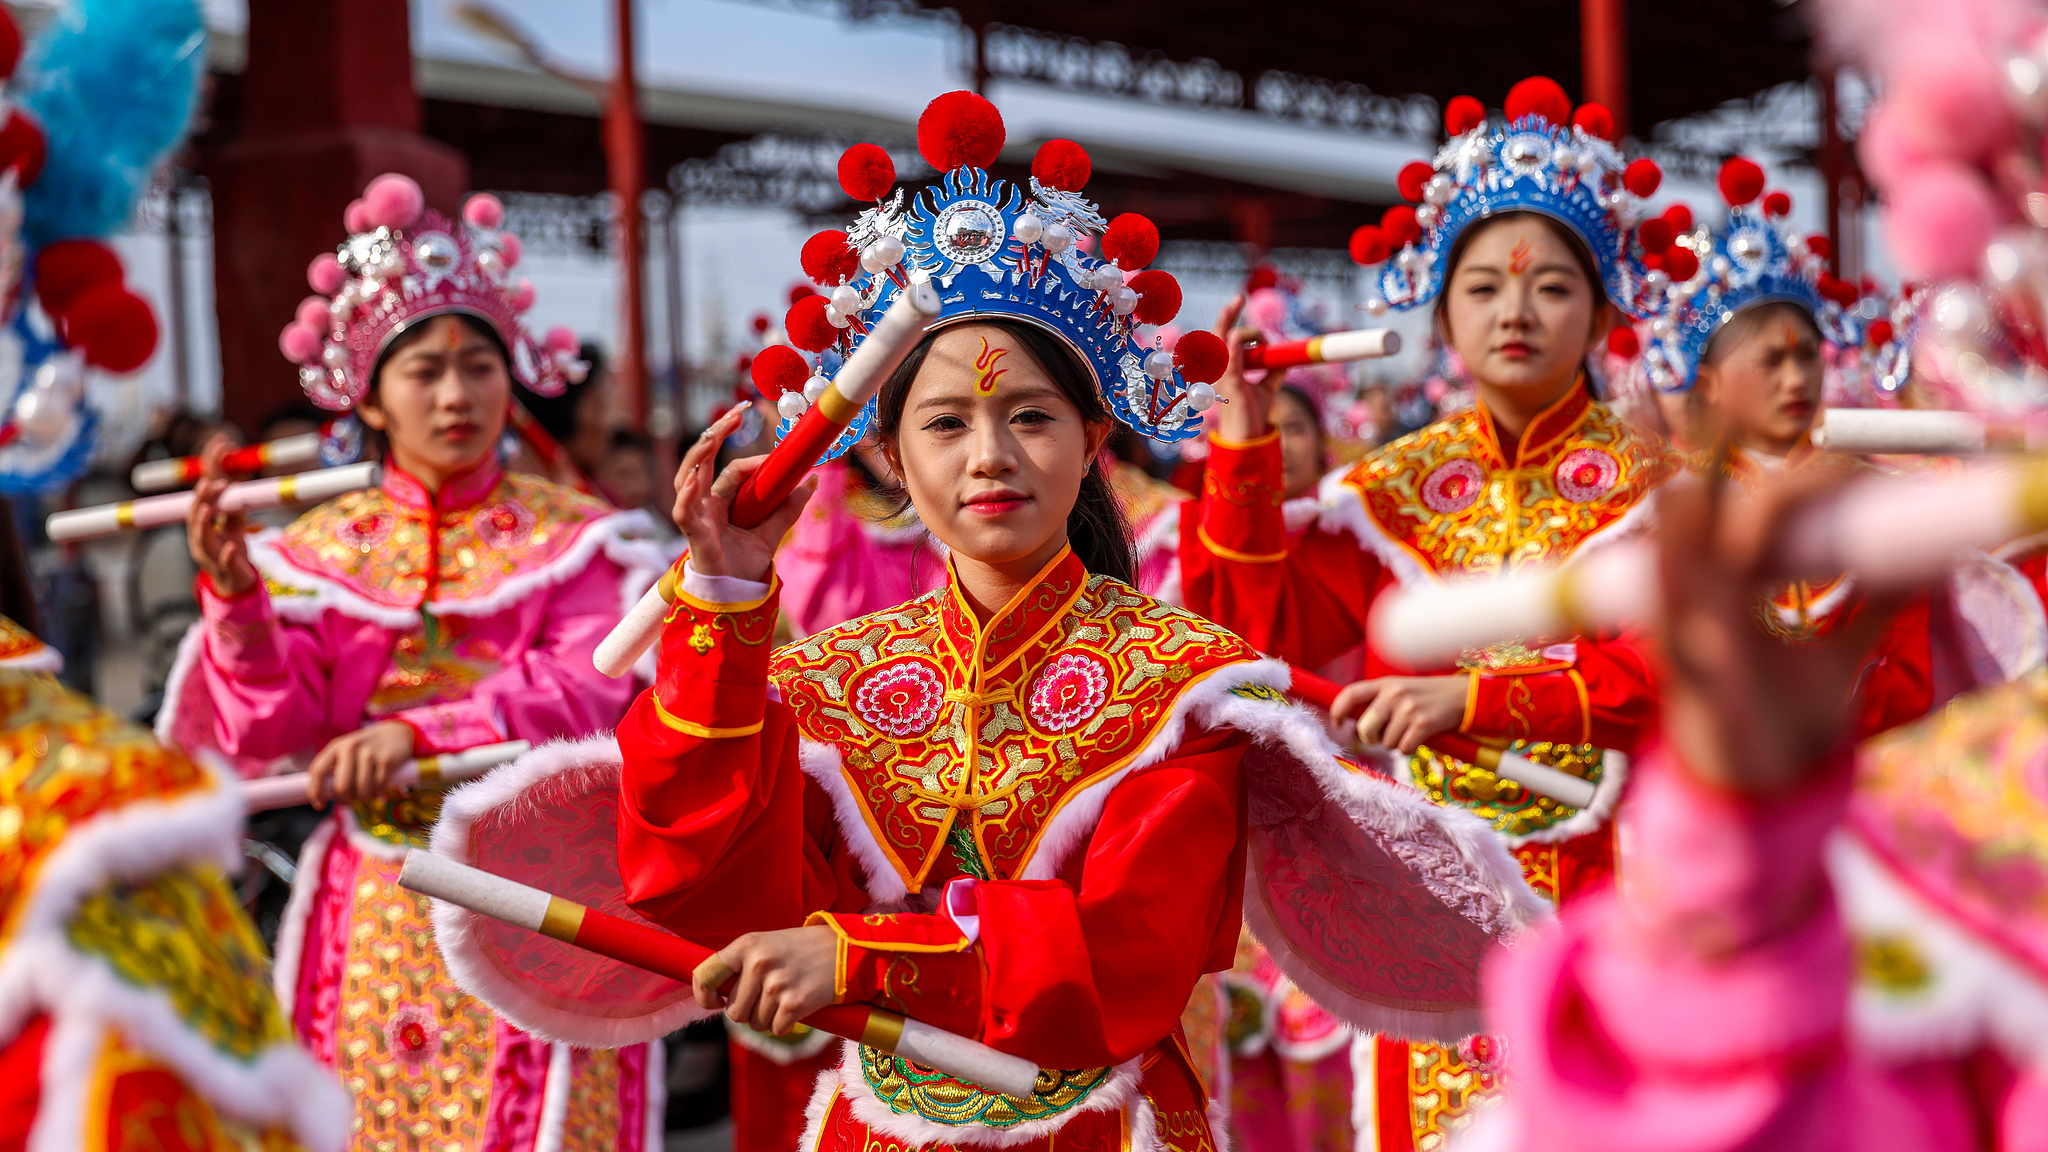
(1330, 348)
(863, 374)
(170, 508)
(678, 959)
(184, 471)
(1541, 779)
(289, 790)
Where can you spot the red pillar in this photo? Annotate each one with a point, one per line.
(1603, 49)
(625, 156)
(329, 104)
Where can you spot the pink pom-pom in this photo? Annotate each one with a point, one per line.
(325, 274)
(1889, 154)
(1940, 220)
(560, 339)
(522, 296)
(313, 313)
(393, 200)
(484, 211)
(300, 342)
(509, 248)
(356, 217)
(1266, 310)
(1950, 99)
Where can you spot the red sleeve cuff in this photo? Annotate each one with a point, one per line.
(1529, 705)
(919, 965)
(711, 680)
(1242, 489)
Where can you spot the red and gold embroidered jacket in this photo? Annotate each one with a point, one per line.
(1441, 502)
(933, 748)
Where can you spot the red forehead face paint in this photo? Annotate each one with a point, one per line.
(452, 330)
(986, 374)
(1523, 256)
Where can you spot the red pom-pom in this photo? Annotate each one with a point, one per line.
(1680, 218)
(1681, 264)
(1538, 96)
(1262, 277)
(807, 327)
(10, 44)
(1654, 260)
(23, 147)
(67, 269)
(1642, 177)
(1463, 114)
(1777, 204)
(801, 291)
(114, 327)
(1820, 246)
(960, 130)
(1062, 164)
(1622, 341)
(1879, 332)
(1369, 244)
(866, 172)
(1594, 120)
(1741, 181)
(759, 323)
(1399, 226)
(1413, 177)
(1158, 297)
(1201, 357)
(1838, 290)
(1656, 234)
(779, 369)
(1131, 240)
(827, 260)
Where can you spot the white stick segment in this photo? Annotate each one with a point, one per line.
(634, 634)
(965, 1059)
(863, 374)
(289, 790)
(887, 343)
(1886, 532)
(247, 496)
(1359, 344)
(1902, 431)
(1545, 781)
(474, 889)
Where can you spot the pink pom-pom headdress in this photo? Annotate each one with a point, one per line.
(406, 264)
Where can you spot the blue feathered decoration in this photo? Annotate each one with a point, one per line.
(112, 82)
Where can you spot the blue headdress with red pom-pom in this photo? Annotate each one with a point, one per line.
(997, 250)
(1545, 159)
(1705, 277)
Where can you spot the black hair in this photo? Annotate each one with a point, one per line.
(379, 444)
(1581, 254)
(290, 413)
(17, 589)
(1096, 528)
(1740, 326)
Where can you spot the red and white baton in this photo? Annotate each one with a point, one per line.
(267, 793)
(655, 950)
(1329, 348)
(171, 507)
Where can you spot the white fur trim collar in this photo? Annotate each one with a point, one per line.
(620, 535)
(822, 764)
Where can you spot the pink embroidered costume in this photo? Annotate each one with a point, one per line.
(470, 615)
(848, 556)
(1878, 969)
